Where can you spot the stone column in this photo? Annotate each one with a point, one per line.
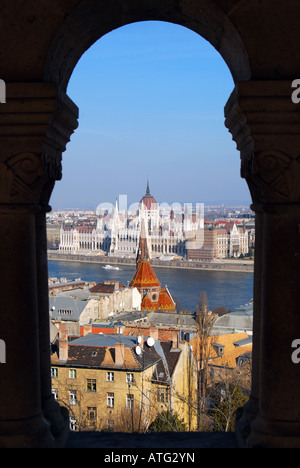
(35, 124)
(265, 124)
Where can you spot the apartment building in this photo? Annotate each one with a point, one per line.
(119, 382)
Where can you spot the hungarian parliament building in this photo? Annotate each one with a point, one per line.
(173, 233)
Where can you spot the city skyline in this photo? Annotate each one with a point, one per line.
(151, 99)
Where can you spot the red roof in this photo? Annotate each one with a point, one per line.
(144, 276)
(147, 304)
(165, 300)
(148, 200)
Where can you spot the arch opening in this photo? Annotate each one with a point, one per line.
(91, 20)
(161, 248)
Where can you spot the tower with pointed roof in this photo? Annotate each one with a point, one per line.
(142, 251)
(145, 280)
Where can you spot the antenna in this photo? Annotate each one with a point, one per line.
(150, 341)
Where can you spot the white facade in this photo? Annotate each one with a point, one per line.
(232, 242)
(118, 234)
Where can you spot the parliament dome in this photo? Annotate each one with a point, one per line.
(148, 200)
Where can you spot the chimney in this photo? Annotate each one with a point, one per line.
(87, 328)
(140, 341)
(63, 342)
(175, 340)
(153, 332)
(119, 354)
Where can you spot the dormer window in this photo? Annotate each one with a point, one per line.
(220, 349)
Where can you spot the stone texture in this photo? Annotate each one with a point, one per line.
(41, 44)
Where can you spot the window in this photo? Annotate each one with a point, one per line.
(72, 397)
(129, 402)
(92, 413)
(162, 395)
(72, 373)
(110, 376)
(73, 424)
(54, 372)
(129, 378)
(110, 400)
(65, 311)
(91, 385)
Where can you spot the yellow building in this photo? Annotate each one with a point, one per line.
(121, 382)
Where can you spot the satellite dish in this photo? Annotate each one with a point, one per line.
(150, 341)
(138, 350)
(52, 308)
(139, 339)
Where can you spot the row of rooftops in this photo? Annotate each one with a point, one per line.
(138, 348)
(118, 352)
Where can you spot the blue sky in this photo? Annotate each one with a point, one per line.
(151, 99)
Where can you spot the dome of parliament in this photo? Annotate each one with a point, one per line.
(148, 200)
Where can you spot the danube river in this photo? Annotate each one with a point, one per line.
(223, 288)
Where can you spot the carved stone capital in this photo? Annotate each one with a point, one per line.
(265, 124)
(35, 126)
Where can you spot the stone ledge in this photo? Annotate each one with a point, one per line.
(176, 440)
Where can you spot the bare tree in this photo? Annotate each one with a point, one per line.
(229, 389)
(204, 320)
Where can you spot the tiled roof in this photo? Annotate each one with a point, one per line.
(102, 288)
(144, 276)
(148, 305)
(165, 300)
(172, 355)
(235, 344)
(99, 351)
(165, 368)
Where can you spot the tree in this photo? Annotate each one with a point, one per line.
(224, 413)
(167, 421)
(204, 320)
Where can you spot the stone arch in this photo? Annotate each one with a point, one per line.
(41, 44)
(92, 19)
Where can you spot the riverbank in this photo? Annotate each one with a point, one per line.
(218, 265)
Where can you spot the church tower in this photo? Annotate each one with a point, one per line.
(143, 252)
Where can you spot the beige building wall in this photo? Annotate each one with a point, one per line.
(122, 300)
(184, 387)
(104, 399)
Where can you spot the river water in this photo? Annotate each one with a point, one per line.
(223, 288)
